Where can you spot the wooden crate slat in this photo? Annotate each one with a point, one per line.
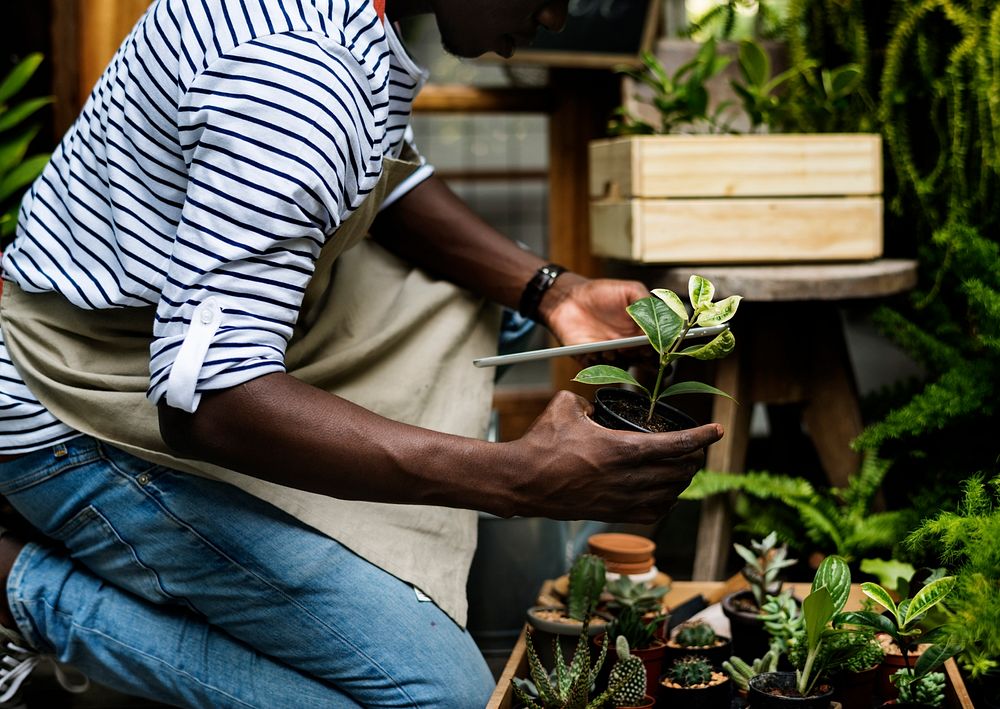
(738, 230)
(736, 166)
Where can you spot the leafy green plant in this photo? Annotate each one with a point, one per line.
(764, 562)
(721, 19)
(926, 690)
(631, 624)
(782, 620)
(17, 169)
(841, 521)
(965, 539)
(586, 583)
(904, 622)
(690, 671)
(681, 98)
(569, 685)
(828, 595)
(664, 319)
(696, 633)
(740, 671)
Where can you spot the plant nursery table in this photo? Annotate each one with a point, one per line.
(790, 349)
(712, 592)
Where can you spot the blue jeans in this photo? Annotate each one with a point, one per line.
(190, 591)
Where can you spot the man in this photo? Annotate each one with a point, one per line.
(253, 433)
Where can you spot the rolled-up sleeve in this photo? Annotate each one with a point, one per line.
(279, 137)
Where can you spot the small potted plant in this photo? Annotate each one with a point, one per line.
(906, 639)
(569, 685)
(807, 688)
(925, 690)
(627, 554)
(641, 629)
(854, 685)
(692, 683)
(697, 637)
(664, 319)
(586, 583)
(744, 608)
(740, 671)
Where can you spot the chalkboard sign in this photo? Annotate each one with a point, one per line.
(598, 33)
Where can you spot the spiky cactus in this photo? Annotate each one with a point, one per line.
(628, 675)
(690, 671)
(586, 582)
(741, 672)
(697, 633)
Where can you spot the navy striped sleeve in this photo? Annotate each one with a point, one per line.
(281, 144)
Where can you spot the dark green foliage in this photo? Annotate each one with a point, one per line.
(17, 169)
(721, 20)
(629, 623)
(586, 582)
(926, 691)
(695, 634)
(690, 671)
(968, 541)
(626, 593)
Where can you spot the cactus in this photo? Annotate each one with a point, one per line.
(690, 671)
(627, 593)
(740, 672)
(628, 676)
(697, 633)
(568, 685)
(586, 582)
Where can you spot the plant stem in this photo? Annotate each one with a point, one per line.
(803, 684)
(664, 361)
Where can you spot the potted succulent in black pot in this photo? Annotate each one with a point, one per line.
(665, 320)
(926, 691)
(744, 609)
(692, 683)
(696, 637)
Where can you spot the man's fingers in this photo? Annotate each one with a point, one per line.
(655, 446)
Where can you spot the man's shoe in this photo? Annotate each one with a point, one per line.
(18, 661)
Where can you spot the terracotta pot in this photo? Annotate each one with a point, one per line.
(609, 419)
(652, 660)
(715, 654)
(760, 696)
(716, 696)
(892, 662)
(855, 690)
(647, 702)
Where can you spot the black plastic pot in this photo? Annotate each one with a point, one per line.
(544, 631)
(715, 654)
(609, 419)
(716, 696)
(749, 636)
(855, 690)
(759, 696)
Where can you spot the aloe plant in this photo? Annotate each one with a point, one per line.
(665, 320)
(17, 169)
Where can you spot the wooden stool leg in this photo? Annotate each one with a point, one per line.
(728, 455)
(831, 413)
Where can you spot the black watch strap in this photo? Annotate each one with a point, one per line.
(543, 279)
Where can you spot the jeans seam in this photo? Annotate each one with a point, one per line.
(14, 581)
(292, 601)
(36, 477)
(137, 651)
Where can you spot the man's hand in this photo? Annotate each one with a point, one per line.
(578, 309)
(568, 467)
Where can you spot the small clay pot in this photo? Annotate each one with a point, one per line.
(605, 416)
(627, 554)
(647, 702)
(714, 696)
(760, 694)
(652, 660)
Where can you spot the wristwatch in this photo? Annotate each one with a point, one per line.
(543, 279)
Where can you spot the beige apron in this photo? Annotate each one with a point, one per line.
(372, 330)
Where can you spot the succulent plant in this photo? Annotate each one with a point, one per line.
(696, 633)
(741, 672)
(586, 583)
(630, 624)
(628, 675)
(627, 593)
(690, 671)
(763, 565)
(927, 690)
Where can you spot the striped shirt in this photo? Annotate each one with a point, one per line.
(224, 144)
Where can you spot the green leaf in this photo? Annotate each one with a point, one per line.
(843, 80)
(928, 597)
(13, 151)
(888, 571)
(868, 619)
(692, 388)
(754, 62)
(748, 556)
(21, 111)
(700, 291)
(718, 313)
(817, 609)
(19, 76)
(834, 574)
(22, 175)
(605, 374)
(672, 300)
(880, 596)
(718, 348)
(935, 656)
(661, 324)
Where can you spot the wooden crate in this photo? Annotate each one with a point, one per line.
(957, 696)
(736, 198)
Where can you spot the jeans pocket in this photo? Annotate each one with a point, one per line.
(93, 541)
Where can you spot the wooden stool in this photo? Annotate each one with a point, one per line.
(790, 349)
